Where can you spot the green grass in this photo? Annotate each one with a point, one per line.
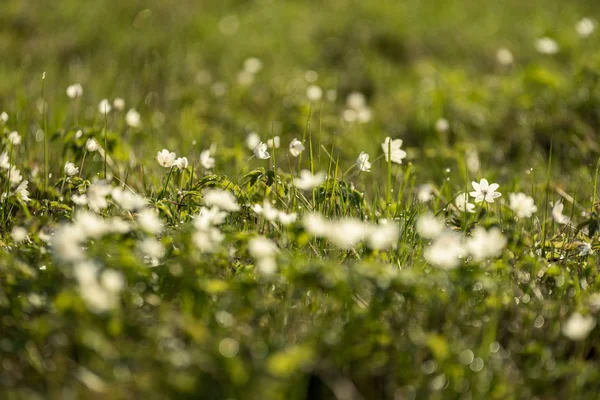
(142, 293)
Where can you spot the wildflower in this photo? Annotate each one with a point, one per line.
(152, 248)
(252, 140)
(19, 234)
(364, 115)
(14, 175)
(463, 205)
(504, 56)
(261, 151)
(222, 199)
(296, 147)
(264, 251)
(166, 158)
(181, 163)
(314, 93)
(391, 149)
(429, 227)
(133, 118)
(104, 106)
(14, 138)
(308, 181)
(127, 199)
(485, 244)
(112, 280)
(274, 142)
(446, 251)
(425, 193)
(4, 161)
(442, 125)
(253, 65)
(485, 191)
(22, 191)
(91, 145)
(149, 222)
(79, 200)
(119, 104)
(75, 90)
(384, 236)
(208, 217)
(267, 211)
(546, 45)
(4, 117)
(206, 159)
(356, 100)
(207, 240)
(578, 327)
(347, 233)
(287, 219)
(585, 27)
(70, 169)
(315, 224)
(557, 214)
(362, 162)
(522, 205)
(96, 194)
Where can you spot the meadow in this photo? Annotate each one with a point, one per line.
(299, 199)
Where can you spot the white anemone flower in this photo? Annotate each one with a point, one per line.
(557, 214)
(119, 104)
(463, 205)
(362, 162)
(261, 152)
(429, 227)
(181, 163)
(392, 149)
(585, 27)
(222, 199)
(91, 145)
(71, 169)
(75, 91)
(484, 244)
(14, 138)
(522, 205)
(166, 158)
(252, 140)
(274, 142)
(308, 181)
(104, 107)
(546, 45)
(446, 252)
(206, 159)
(133, 118)
(485, 191)
(296, 147)
(578, 327)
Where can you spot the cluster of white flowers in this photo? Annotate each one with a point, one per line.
(357, 109)
(308, 181)
(219, 203)
(522, 205)
(264, 250)
(100, 291)
(168, 159)
(347, 233)
(449, 248)
(270, 213)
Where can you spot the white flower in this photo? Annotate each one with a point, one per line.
(308, 181)
(206, 159)
(261, 151)
(91, 145)
(296, 147)
(522, 205)
(442, 125)
(166, 158)
(252, 65)
(504, 56)
(356, 101)
(4, 161)
(152, 248)
(127, 199)
(546, 45)
(275, 142)
(222, 199)
(287, 219)
(463, 205)
(75, 90)
(104, 106)
(485, 244)
(22, 191)
(71, 169)
(119, 104)
(346, 233)
(252, 140)
(112, 280)
(364, 115)
(585, 27)
(14, 138)
(14, 175)
(425, 193)
(315, 224)
(149, 222)
(485, 191)
(314, 93)
(264, 251)
(181, 163)
(133, 118)
(446, 251)
(558, 215)
(429, 227)
(207, 240)
(96, 194)
(209, 217)
(19, 234)
(392, 148)
(362, 162)
(4, 117)
(80, 200)
(578, 327)
(267, 211)
(384, 236)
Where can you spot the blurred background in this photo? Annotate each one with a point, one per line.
(508, 77)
